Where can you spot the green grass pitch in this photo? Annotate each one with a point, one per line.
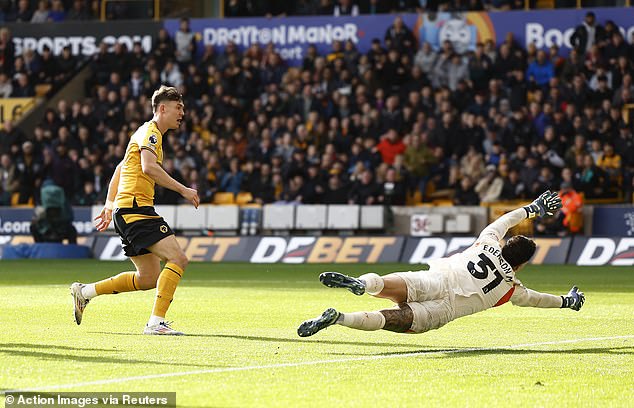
(242, 349)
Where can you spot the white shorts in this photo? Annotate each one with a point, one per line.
(430, 298)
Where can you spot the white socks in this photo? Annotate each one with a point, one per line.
(89, 291)
(368, 321)
(154, 320)
(373, 283)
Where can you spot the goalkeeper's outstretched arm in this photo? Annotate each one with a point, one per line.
(525, 297)
(546, 204)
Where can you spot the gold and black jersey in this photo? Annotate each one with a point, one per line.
(136, 189)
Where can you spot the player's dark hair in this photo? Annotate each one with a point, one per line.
(165, 93)
(518, 250)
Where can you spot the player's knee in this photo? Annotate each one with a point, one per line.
(181, 260)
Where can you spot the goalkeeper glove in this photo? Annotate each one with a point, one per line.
(546, 204)
(573, 300)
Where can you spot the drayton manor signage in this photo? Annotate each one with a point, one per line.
(291, 36)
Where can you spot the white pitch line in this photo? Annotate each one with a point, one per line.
(310, 363)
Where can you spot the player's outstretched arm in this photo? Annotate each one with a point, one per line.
(160, 176)
(546, 204)
(105, 216)
(525, 297)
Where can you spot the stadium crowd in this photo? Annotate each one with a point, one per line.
(400, 123)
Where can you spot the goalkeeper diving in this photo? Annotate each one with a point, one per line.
(479, 278)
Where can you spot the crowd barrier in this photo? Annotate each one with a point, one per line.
(583, 251)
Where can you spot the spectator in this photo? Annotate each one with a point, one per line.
(8, 182)
(335, 192)
(28, 173)
(390, 146)
(345, 8)
(572, 209)
(393, 189)
(489, 188)
(425, 58)
(77, 12)
(41, 14)
(373, 7)
(57, 12)
(171, 74)
(232, 179)
(591, 178)
(185, 42)
(24, 14)
(540, 71)
(513, 188)
(6, 89)
(22, 88)
(365, 191)
(587, 34)
(7, 51)
(457, 70)
(465, 193)
(611, 163)
(400, 37)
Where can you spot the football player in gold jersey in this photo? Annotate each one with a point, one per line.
(146, 238)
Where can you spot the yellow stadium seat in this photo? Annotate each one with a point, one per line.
(224, 198)
(442, 202)
(244, 197)
(15, 198)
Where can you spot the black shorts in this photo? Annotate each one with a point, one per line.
(139, 228)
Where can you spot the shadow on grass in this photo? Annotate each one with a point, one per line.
(300, 340)
(50, 346)
(17, 349)
(470, 352)
(276, 339)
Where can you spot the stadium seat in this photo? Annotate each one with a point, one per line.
(414, 198)
(41, 90)
(311, 217)
(460, 224)
(222, 217)
(372, 217)
(442, 202)
(221, 198)
(278, 217)
(15, 198)
(343, 217)
(244, 197)
(189, 217)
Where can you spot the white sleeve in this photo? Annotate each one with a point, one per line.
(498, 228)
(524, 297)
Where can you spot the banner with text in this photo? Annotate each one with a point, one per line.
(17, 221)
(596, 251)
(83, 39)
(300, 249)
(613, 221)
(422, 250)
(291, 36)
(13, 108)
(380, 249)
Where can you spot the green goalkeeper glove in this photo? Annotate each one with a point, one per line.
(546, 204)
(573, 300)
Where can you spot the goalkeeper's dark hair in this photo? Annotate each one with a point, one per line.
(165, 93)
(518, 250)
